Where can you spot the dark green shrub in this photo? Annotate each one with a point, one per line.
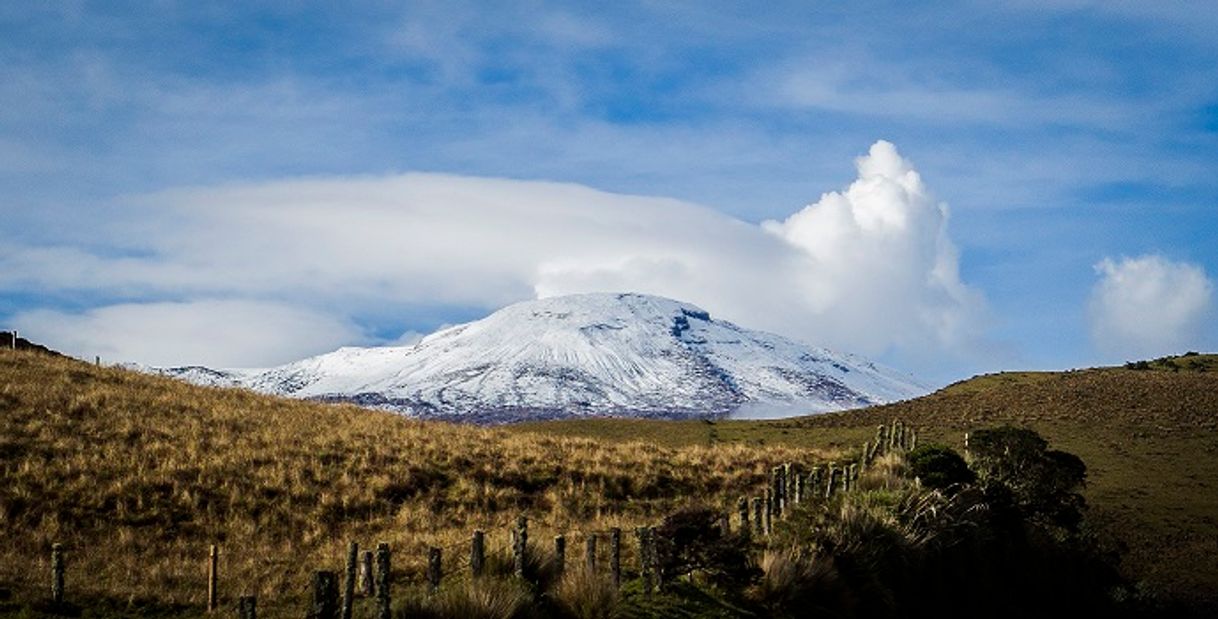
(691, 540)
(1015, 464)
(940, 467)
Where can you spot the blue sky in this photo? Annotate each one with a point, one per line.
(1059, 134)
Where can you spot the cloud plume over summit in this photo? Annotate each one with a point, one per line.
(870, 269)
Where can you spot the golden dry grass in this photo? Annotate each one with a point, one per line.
(137, 475)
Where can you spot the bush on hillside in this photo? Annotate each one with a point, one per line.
(1016, 464)
(940, 467)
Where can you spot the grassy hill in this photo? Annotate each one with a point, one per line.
(137, 475)
(1147, 433)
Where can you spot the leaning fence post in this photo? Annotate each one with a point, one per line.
(247, 607)
(434, 568)
(56, 562)
(349, 580)
(590, 551)
(520, 544)
(560, 553)
(213, 560)
(477, 553)
(325, 595)
(615, 555)
(382, 581)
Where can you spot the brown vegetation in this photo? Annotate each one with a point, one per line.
(137, 475)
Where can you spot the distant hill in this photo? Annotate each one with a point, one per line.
(6, 343)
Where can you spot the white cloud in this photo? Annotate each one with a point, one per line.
(1149, 306)
(204, 332)
(869, 270)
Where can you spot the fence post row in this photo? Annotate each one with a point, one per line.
(367, 583)
(349, 580)
(645, 558)
(434, 569)
(325, 595)
(615, 555)
(520, 541)
(590, 551)
(57, 568)
(383, 599)
(560, 553)
(758, 516)
(213, 594)
(247, 607)
(477, 552)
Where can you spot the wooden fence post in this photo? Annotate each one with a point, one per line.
(615, 555)
(769, 512)
(349, 580)
(829, 484)
(435, 570)
(758, 516)
(560, 553)
(325, 595)
(367, 582)
(13, 342)
(57, 566)
(590, 551)
(775, 491)
(799, 488)
(653, 551)
(247, 607)
(520, 544)
(477, 553)
(742, 506)
(788, 486)
(383, 598)
(213, 594)
(645, 569)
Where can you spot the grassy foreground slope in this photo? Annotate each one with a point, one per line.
(1149, 437)
(137, 475)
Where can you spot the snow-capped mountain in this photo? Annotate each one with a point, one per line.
(587, 354)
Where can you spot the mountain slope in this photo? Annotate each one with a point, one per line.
(590, 354)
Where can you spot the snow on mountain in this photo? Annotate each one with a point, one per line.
(587, 354)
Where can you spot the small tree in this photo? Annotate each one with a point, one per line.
(1044, 484)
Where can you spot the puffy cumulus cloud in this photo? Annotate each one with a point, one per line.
(868, 270)
(205, 332)
(881, 268)
(1149, 306)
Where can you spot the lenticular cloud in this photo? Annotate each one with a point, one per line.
(869, 269)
